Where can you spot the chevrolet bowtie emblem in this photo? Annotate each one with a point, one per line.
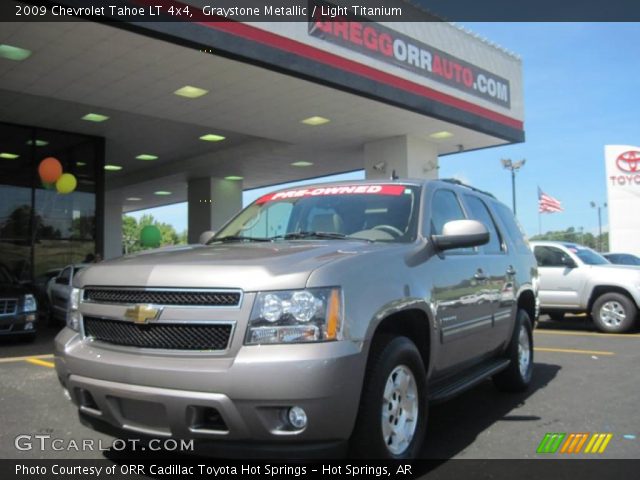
(141, 314)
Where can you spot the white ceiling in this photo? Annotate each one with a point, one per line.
(82, 67)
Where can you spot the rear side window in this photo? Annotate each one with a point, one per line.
(445, 207)
(479, 211)
(514, 230)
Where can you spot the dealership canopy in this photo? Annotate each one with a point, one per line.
(246, 105)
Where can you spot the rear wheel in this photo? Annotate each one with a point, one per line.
(614, 313)
(517, 376)
(393, 408)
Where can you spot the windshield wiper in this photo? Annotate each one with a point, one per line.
(238, 238)
(323, 235)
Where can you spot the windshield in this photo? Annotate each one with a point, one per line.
(5, 276)
(623, 259)
(385, 213)
(589, 256)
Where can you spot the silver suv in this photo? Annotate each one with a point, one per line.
(575, 279)
(321, 316)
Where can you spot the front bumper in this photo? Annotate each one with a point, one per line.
(168, 395)
(19, 324)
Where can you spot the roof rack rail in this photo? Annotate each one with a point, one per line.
(455, 181)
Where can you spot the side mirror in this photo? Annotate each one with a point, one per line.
(206, 236)
(567, 261)
(460, 234)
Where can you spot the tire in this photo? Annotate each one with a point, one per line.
(556, 316)
(517, 376)
(614, 313)
(391, 359)
(29, 337)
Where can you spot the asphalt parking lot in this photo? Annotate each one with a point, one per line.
(584, 382)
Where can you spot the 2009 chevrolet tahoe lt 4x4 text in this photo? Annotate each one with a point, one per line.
(321, 316)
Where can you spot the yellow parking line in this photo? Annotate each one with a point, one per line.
(42, 363)
(569, 350)
(586, 334)
(20, 359)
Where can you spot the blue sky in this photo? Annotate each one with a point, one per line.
(582, 91)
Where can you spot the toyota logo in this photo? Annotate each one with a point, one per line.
(629, 161)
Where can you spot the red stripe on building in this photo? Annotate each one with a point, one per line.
(257, 35)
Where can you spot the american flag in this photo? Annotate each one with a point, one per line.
(548, 204)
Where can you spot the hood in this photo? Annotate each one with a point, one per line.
(618, 268)
(624, 275)
(249, 266)
(12, 290)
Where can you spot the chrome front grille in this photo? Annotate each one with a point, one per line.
(8, 306)
(172, 336)
(200, 298)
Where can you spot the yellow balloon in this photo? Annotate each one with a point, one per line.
(67, 183)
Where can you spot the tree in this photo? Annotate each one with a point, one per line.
(131, 233)
(573, 236)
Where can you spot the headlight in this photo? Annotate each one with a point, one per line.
(29, 303)
(75, 296)
(74, 317)
(296, 316)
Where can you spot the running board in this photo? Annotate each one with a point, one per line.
(446, 389)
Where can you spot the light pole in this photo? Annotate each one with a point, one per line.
(514, 167)
(599, 207)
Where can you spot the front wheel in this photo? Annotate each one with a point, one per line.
(392, 417)
(517, 376)
(614, 313)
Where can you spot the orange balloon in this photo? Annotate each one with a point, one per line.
(50, 170)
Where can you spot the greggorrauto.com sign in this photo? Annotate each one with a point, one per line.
(383, 43)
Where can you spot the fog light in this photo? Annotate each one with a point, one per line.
(66, 393)
(74, 318)
(28, 326)
(297, 417)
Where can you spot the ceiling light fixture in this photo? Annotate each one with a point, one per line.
(11, 52)
(441, 135)
(95, 117)
(315, 121)
(301, 163)
(162, 193)
(37, 142)
(212, 137)
(112, 168)
(133, 199)
(147, 157)
(9, 156)
(191, 92)
(234, 178)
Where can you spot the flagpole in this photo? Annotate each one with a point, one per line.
(539, 223)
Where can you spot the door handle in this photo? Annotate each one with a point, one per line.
(479, 275)
(511, 270)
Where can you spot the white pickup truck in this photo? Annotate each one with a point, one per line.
(576, 279)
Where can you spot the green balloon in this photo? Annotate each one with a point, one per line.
(49, 186)
(150, 236)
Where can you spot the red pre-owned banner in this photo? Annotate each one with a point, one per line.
(333, 190)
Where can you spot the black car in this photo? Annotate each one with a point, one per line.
(622, 258)
(18, 307)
